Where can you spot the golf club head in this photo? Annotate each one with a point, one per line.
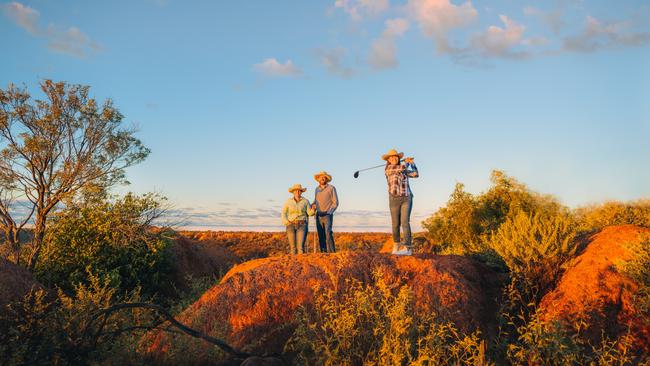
(356, 174)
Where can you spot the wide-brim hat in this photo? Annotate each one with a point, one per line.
(392, 152)
(323, 173)
(297, 187)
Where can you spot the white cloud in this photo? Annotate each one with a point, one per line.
(554, 18)
(24, 16)
(500, 42)
(597, 35)
(332, 59)
(271, 67)
(396, 27)
(383, 51)
(437, 17)
(71, 41)
(358, 9)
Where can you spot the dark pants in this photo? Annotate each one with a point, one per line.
(400, 214)
(325, 234)
(297, 235)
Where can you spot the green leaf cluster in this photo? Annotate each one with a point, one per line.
(110, 239)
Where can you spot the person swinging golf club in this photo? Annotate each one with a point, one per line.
(325, 203)
(400, 197)
(295, 215)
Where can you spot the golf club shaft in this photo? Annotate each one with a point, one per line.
(375, 167)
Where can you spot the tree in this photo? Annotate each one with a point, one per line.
(53, 150)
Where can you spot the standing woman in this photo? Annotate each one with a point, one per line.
(295, 216)
(400, 197)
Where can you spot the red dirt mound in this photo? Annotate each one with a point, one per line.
(199, 259)
(15, 282)
(256, 301)
(595, 291)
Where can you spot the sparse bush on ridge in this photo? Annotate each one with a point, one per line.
(595, 217)
(378, 325)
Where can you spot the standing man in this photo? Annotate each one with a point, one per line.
(400, 197)
(325, 203)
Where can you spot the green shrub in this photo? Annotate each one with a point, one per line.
(535, 247)
(455, 228)
(110, 240)
(377, 325)
(466, 223)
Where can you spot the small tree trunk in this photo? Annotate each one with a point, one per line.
(37, 241)
(12, 244)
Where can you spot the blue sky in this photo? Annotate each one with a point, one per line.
(240, 100)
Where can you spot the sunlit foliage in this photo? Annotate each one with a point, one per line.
(109, 239)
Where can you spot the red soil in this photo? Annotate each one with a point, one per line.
(199, 259)
(252, 245)
(15, 282)
(256, 302)
(595, 291)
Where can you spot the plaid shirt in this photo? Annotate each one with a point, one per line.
(398, 178)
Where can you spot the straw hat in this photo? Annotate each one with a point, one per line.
(297, 187)
(392, 152)
(323, 173)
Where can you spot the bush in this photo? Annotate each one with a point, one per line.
(466, 223)
(47, 329)
(110, 240)
(551, 343)
(535, 248)
(377, 325)
(596, 217)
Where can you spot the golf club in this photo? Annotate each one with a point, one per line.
(356, 174)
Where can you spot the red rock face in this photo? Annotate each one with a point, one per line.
(595, 291)
(256, 301)
(15, 282)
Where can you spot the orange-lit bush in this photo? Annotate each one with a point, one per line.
(378, 324)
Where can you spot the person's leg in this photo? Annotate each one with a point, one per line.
(331, 248)
(320, 228)
(394, 203)
(301, 237)
(407, 205)
(291, 235)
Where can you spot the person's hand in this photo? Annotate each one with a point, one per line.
(409, 160)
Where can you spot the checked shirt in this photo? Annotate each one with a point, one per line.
(398, 178)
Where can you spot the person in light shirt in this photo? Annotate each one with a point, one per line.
(295, 217)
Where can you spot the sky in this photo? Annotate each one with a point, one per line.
(239, 100)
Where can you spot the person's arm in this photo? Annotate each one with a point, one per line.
(285, 209)
(412, 170)
(335, 201)
(310, 211)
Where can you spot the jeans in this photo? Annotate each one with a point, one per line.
(325, 234)
(400, 214)
(297, 234)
